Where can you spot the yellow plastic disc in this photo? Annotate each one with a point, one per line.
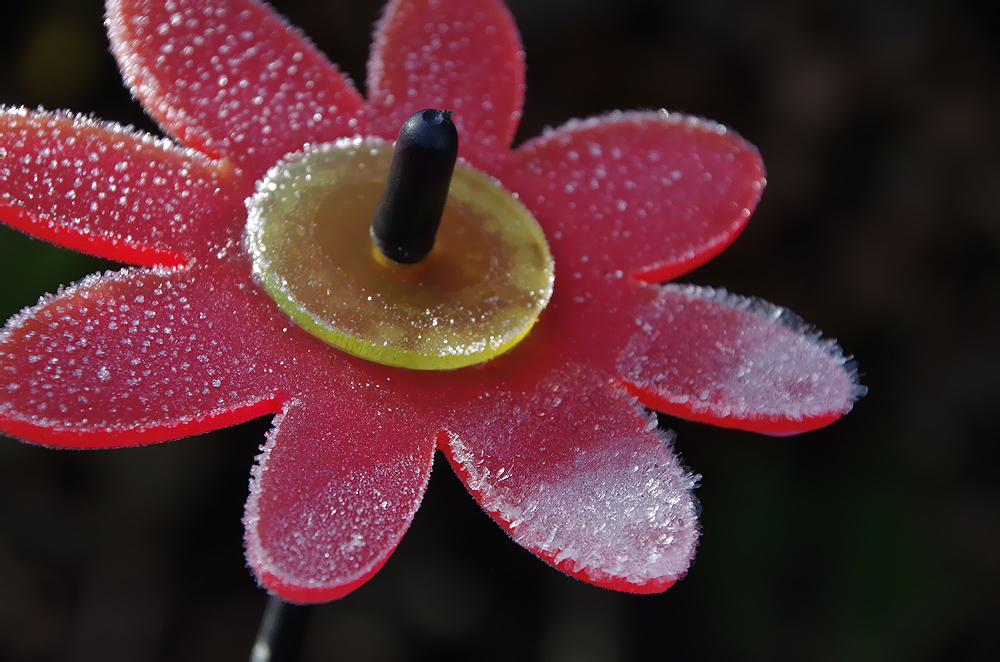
(476, 295)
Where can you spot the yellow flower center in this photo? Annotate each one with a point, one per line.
(475, 296)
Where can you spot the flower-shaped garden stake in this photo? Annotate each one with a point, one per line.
(256, 291)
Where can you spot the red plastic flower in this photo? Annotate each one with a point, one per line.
(549, 437)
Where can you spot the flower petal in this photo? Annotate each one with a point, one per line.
(461, 55)
(111, 191)
(231, 79)
(130, 358)
(719, 358)
(653, 194)
(337, 485)
(579, 477)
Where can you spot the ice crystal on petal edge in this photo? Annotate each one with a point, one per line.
(735, 359)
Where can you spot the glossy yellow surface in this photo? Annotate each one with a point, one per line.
(476, 295)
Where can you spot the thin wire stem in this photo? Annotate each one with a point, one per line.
(282, 631)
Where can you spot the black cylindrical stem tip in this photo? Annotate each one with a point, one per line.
(409, 212)
(282, 631)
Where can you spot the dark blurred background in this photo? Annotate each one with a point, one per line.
(877, 538)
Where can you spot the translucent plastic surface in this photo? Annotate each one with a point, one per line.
(707, 355)
(546, 436)
(231, 79)
(472, 298)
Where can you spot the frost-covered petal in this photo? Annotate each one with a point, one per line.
(130, 358)
(335, 488)
(578, 476)
(111, 191)
(710, 356)
(230, 78)
(461, 55)
(653, 194)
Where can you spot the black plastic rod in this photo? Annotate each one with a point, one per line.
(282, 631)
(409, 212)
